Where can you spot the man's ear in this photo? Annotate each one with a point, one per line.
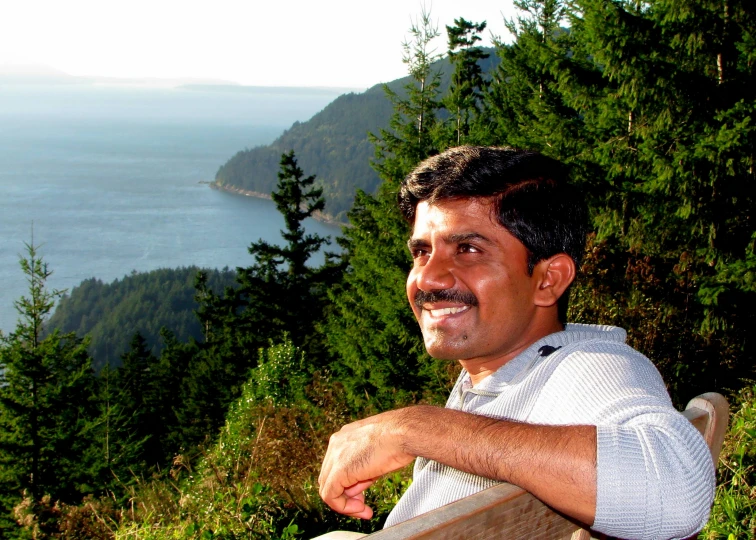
(553, 276)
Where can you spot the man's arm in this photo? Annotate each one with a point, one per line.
(557, 464)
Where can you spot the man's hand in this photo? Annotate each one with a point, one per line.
(357, 455)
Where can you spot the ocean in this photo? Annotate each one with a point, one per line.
(108, 180)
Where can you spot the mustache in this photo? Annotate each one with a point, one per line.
(444, 295)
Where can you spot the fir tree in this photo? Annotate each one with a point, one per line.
(464, 98)
(381, 357)
(279, 295)
(47, 404)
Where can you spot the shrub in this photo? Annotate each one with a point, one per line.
(259, 479)
(734, 513)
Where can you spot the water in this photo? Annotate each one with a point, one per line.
(111, 179)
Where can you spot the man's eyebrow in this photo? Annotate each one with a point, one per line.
(414, 243)
(458, 238)
(461, 238)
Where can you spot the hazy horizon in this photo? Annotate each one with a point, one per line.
(334, 43)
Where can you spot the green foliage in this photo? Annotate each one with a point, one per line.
(381, 358)
(464, 97)
(280, 376)
(651, 106)
(734, 514)
(333, 142)
(136, 417)
(47, 390)
(258, 480)
(145, 302)
(279, 295)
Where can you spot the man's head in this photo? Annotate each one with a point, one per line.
(527, 224)
(531, 196)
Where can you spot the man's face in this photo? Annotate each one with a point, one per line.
(469, 287)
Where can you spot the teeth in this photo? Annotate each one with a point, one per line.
(447, 311)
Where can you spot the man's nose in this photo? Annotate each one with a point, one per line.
(436, 274)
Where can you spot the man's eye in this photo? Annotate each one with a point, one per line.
(417, 253)
(467, 248)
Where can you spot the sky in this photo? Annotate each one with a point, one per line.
(335, 43)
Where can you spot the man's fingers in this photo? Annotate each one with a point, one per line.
(354, 505)
(359, 488)
(351, 501)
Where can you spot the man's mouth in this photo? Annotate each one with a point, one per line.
(446, 311)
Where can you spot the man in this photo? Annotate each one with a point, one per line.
(569, 413)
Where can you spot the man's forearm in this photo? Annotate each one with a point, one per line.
(555, 463)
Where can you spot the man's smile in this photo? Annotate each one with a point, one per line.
(441, 312)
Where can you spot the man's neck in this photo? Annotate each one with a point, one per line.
(480, 368)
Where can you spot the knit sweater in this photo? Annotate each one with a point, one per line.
(655, 476)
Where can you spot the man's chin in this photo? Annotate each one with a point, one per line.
(448, 349)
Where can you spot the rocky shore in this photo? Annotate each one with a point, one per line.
(320, 216)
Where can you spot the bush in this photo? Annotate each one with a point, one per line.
(259, 479)
(734, 513)
(93, 518)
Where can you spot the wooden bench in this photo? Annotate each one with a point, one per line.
(507, 511)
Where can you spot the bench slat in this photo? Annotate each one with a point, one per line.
(503, 511)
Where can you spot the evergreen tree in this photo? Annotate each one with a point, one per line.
(47, 405)
(410, 137)
(674, 140)
(467, 83)
(381, 357)
(279, 295)
(131, 427)
(540, 91)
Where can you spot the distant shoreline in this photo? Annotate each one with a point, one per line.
(320, 216)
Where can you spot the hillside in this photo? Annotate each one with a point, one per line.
(333, 145)
(145, 302)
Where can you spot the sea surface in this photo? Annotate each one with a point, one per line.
(108, 180)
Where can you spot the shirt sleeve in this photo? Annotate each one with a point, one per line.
(655, 476)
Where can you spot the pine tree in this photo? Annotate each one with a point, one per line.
(280, 296)
(464, 98)
(380, 355)
(47, 404)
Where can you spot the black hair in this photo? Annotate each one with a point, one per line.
(532, 197)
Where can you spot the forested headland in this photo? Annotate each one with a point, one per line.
(651, 106)
(335, 142)
(109, 314)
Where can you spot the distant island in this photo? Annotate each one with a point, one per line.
(44, 75)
